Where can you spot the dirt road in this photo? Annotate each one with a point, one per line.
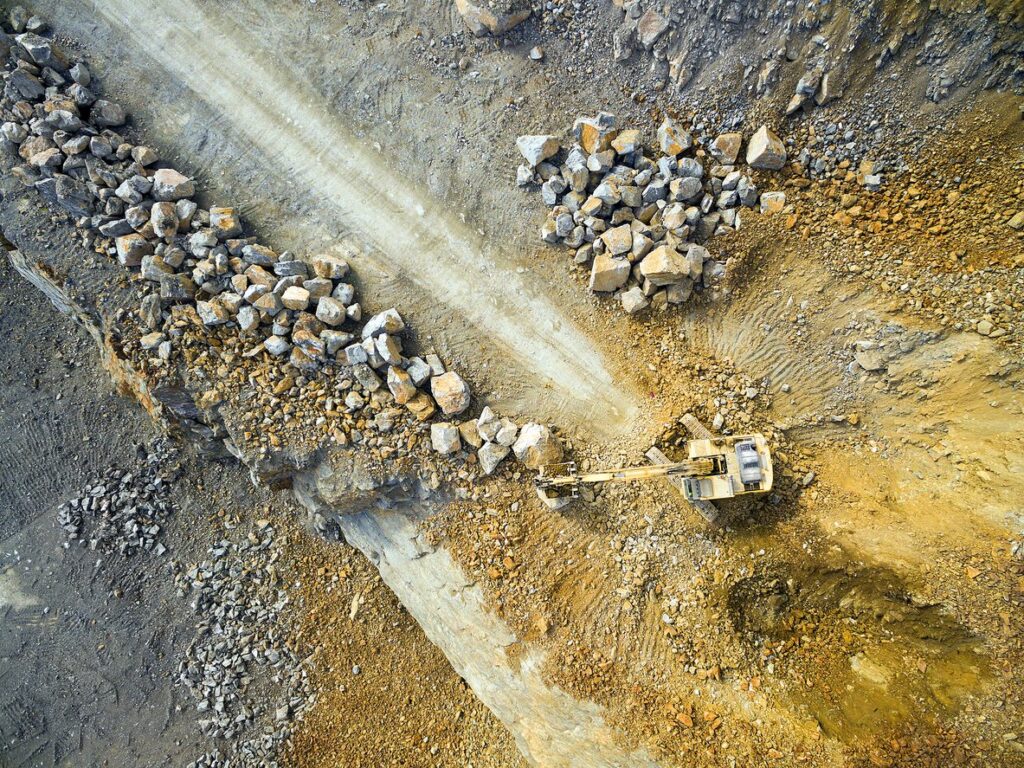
(295, 131)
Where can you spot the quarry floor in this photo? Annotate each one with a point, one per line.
(894, 561)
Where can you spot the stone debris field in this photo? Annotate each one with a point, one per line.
(320, 447)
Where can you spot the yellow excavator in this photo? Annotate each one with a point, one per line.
(716, 467)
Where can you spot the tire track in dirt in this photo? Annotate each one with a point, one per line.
(292, 127)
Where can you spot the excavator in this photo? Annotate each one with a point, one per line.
(716, 467)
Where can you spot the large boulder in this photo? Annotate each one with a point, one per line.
(169, 185)
(490, 456)
(664, 266)
(450, 392)
(765, 150)
(444, 438)
(608, 273)
(726, 148)
(536, 149)
(673, 138)
(536, 446)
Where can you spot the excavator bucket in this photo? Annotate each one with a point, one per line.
(552, 501)
(556, 496)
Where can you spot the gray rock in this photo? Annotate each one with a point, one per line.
(389, 348)
(444, 438)
(490, 456)
(295, 297)
(74, 196)
(276, 345)
(537, 148)
(248, 318)
(106, 113)
(649, 29)
(26, 85)
(506, 432)
(401, 385)
(624, 42)
(673, 138)
(482, 20)
(870, 359)
(388, 321)
(39, 49)
(418, 370)
(150, 312)
(608, 274)
(355, 353)
(212, 313)
(329, 266)
(330, 311)
(765, 150)
(726, 148)
(80, 74)
(131, 248)
(536, 446)
(164, 219)
(633, 300)
(344, 292)
(663, 266)
(335, 340)
(169, 185)
(366, 377)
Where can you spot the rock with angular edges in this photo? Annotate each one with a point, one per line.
(483, 20)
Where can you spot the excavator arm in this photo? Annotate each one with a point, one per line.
(697, 468)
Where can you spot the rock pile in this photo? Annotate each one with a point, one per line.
(125, 510)
(494, 438)
(197, 265)
(639, 220)
(240, 599)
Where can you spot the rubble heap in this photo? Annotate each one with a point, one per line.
(240, 599)
(198, 266)
(641, 222)
(126, 508)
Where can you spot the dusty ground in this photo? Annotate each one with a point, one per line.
(869, 613)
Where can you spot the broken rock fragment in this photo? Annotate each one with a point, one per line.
(608, 273)
(651, 26)
(482, 17)
(444, 438)
(537, 149)
(491, 455)
(536, 446)
(765, 150)
(451, 393)
(170, 185)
